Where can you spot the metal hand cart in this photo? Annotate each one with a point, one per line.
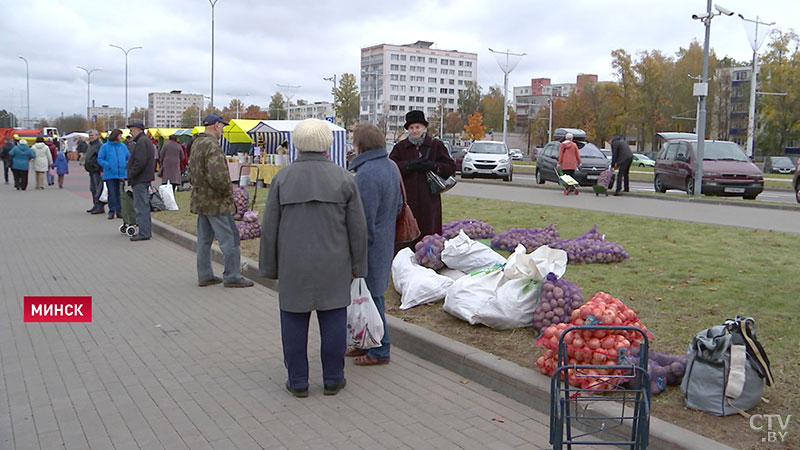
(569, 184)
(252, 204)
(621, 414)
(604, 182)
(128, 226)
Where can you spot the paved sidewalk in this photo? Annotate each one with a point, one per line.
(166, 364)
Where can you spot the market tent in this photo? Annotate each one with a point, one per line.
(274, 132)
(163, 133)
(235, 137)
(197, 129)
(184, 132)
(70, 141)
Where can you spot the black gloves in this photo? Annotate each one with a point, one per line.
(420, 165)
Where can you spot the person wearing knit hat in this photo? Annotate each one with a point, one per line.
(416, 155)
(314, 241)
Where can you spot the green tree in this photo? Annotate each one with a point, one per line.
(469, 100)
(491, 107)
(190, 116)
(780, 114)
(347, 100)
(653, 94)
(622, 64)
(277, 107)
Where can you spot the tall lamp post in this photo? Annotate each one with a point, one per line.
(28, 89)
(506, 67)
(755, 44)
(88, 90)
(701, 91)
(292, 89)
(213, 4)
(126, 73)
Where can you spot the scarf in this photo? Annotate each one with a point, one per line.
(417, 141)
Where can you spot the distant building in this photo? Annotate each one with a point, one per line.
(166, 108)
(729, 114)
(316, 110)
(96, 112)
(396, 79)
(528, 100)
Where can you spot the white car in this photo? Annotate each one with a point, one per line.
(516, 154)
(488, 159)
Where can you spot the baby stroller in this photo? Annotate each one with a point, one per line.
(569, 184)
(604, 182)
(128, 226)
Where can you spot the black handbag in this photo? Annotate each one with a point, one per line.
(436, 183)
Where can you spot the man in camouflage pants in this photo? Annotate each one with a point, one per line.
(212, 201)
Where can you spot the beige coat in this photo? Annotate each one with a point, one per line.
(43, 157)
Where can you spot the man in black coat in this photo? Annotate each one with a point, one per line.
(621, 157)
(6, 156)
(95, 172)
(141, 169)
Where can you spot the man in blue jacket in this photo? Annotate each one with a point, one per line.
(141, 171)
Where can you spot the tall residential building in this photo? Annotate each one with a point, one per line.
(166, 108)
(316, 110)
(396, 79)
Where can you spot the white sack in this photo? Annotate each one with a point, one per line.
(512, 307)
(467, 255)
(467, 297)
(416, 284)
(535, 265)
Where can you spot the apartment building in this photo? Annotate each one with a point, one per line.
(166, 108)
(729, 112)
(316, 110)
(528, 100)
(396, 79)
(96, 112)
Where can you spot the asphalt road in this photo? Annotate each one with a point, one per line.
(739, 214)
(771, 195)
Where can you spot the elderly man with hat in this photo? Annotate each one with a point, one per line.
(314, 241)
(416, 155)
(212, 201)
(140, 169)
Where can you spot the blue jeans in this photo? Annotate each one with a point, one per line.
(96, 188)
(141, 204)
(114, 204)
(224, 229)
(333, 336)
(381, 352)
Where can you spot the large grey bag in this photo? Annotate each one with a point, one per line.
(726, 369)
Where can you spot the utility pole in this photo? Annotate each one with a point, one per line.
(755, 44)
(213, 4)
(28, 90)
(507, 66)
(88, 90)
(288, 97)
(126, 73)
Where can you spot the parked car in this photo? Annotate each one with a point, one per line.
(458, 156)
(778, 164)
(607, 153)
(727, 170)
(487, 159)
(651, 155)
(796, 181)
(641, 160)
(516, 154)
(593, 161)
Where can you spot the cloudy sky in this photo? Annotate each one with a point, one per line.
(260, 44)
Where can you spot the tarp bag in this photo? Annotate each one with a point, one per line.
(364, 323)
(726, 369)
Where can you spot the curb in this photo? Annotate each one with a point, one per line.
(511, 380)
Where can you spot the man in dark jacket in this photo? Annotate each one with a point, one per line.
(141, 168)
(621, 157)
(95, 175)
(6, 157)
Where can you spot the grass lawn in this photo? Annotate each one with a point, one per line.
(681, 278)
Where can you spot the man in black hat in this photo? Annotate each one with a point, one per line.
(141, 169)
(415, 156)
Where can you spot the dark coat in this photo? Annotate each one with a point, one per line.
(142, 163)
(620, 152)
(379, 186)
(314, 234)
(427, 208)
(171, 157)
(90, 161)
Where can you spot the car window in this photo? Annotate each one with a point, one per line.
(670, 151)
(723, 151)
(486, 147)
(591, 151)
(551, 151)
(683, 151)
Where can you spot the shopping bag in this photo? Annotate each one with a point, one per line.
(168, 196)
(364, 324)
(104, 195)
(439, 185)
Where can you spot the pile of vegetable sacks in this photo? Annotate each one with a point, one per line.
(249, 227)
(664, 369)
(428, 251)
(531, 238)
(591, 247)
(475, 229)
(241, 199)
(594, 347)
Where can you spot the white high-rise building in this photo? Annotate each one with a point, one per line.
(166, 108)
(396, 79)
(316, 110)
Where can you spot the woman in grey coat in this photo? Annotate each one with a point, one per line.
(314, 241)
(378, 180)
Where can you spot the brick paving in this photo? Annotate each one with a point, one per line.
(168, 365)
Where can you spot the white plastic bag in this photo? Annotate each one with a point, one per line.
(364, 324)
(415, 283)
(104, 195)
(535, 265)
(168, 196)
(467, 255)
(468, 296)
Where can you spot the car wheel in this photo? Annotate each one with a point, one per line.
(641, 165)
(509, 177)
(750, 197)
(690, 186)
(658, 185)
(797, 193)
(539, 178)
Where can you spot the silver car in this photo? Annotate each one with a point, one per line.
(489, 159)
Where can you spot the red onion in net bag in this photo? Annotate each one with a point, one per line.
(475, 229)
(428, 251)
(531, 238)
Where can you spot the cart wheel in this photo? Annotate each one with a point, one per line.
(598, 195)
(576, 192)
(122, 228)
(132, 230)
(566, 191)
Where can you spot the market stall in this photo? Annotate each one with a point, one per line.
(273, 132)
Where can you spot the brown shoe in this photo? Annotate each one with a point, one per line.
(353, 352)
(367, 360)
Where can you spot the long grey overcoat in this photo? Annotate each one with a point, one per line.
(313, 234)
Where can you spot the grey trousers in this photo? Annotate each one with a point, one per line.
(224, 229)
(141, 204)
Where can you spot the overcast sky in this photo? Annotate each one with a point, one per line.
(260, 44)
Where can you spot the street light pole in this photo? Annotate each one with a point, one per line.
(28, 90)
(88, 90)
(213, 4)
(506, 68)
(126, 73)
(751, 113)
